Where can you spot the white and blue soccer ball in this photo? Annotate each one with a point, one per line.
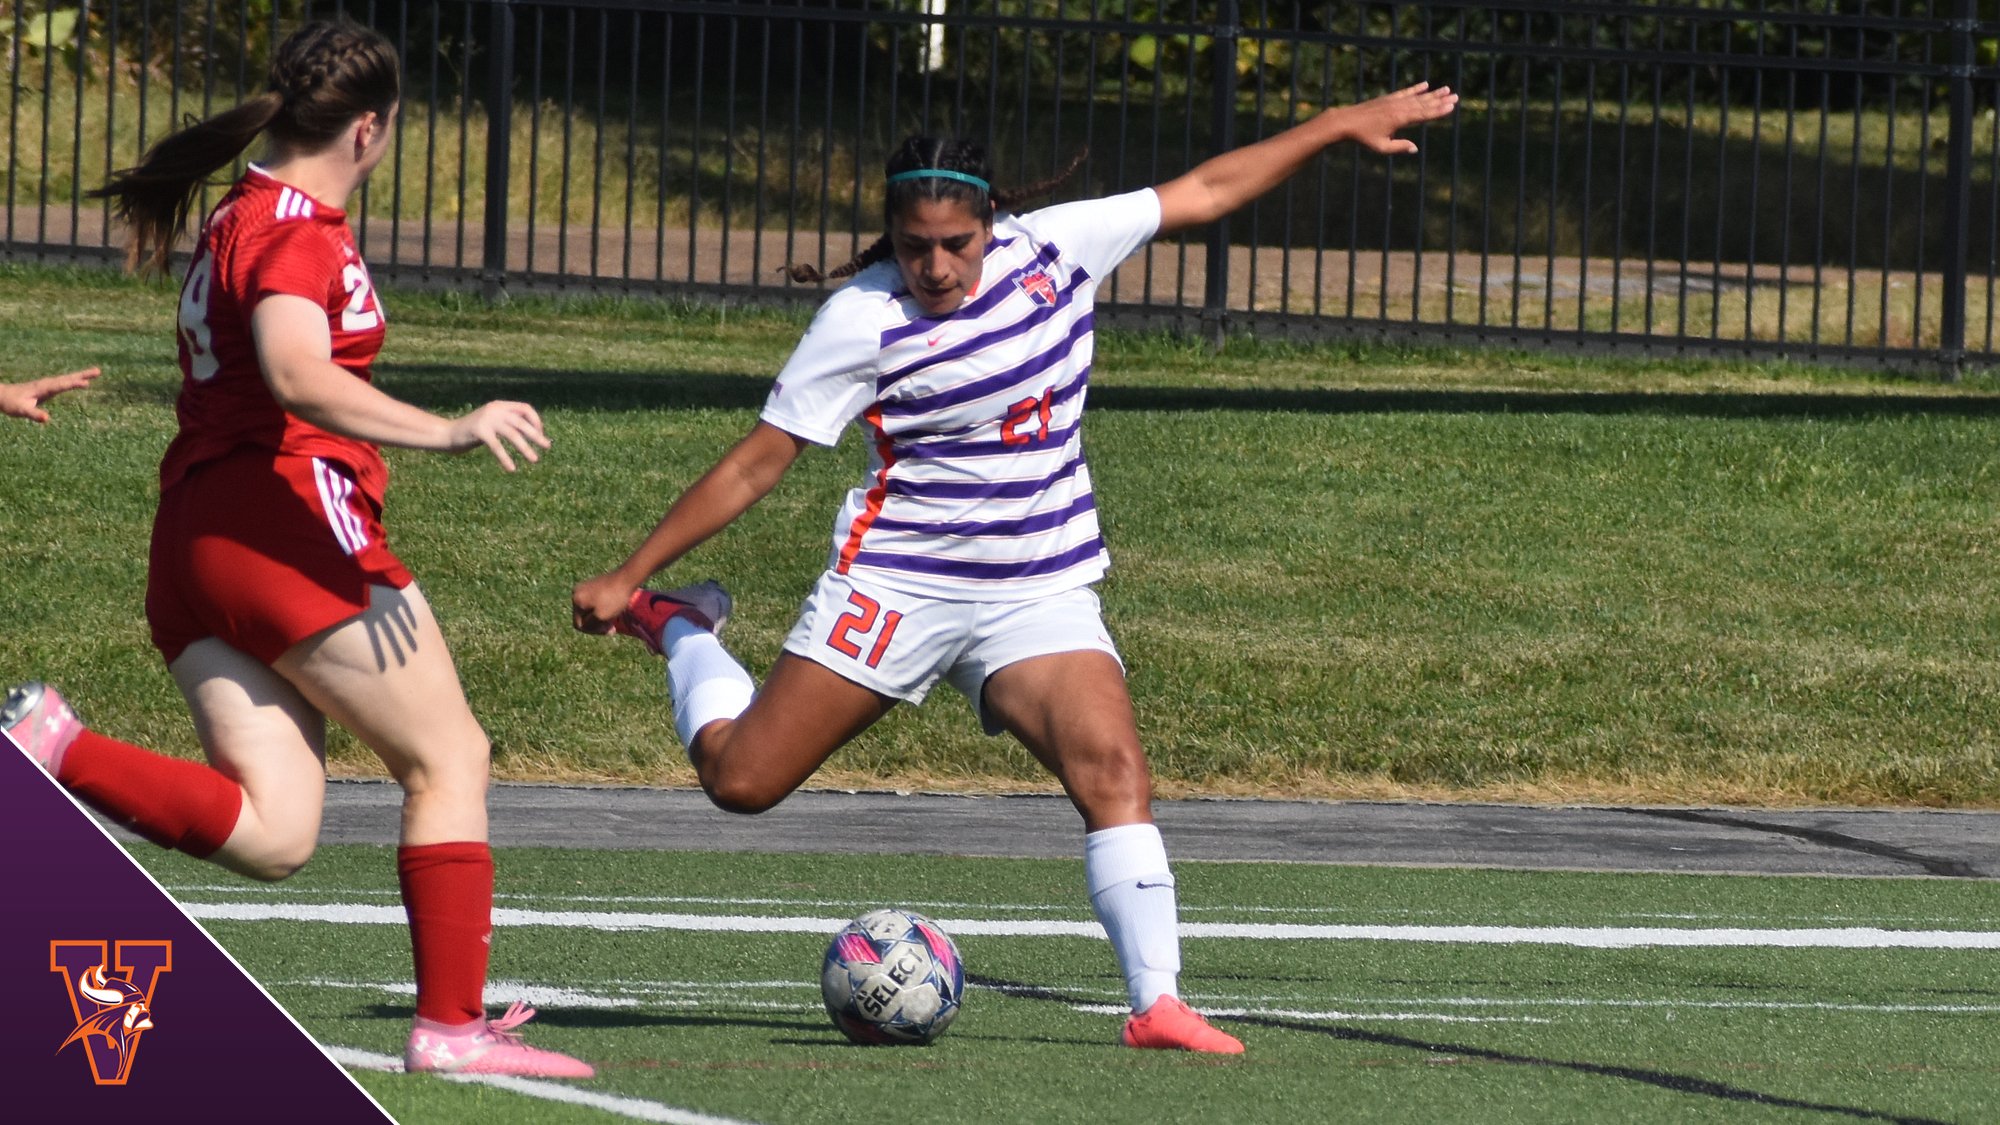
(892, 976)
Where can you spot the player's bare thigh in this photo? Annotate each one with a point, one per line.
(258, 731)
(1073, 713)
(802, 714)
(387, 677)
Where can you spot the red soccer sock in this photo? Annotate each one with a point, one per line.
(448, 895)
(174, 803)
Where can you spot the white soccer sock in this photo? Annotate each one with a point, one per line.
(1132, 892)
(705, 681)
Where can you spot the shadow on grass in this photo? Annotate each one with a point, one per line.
(455, 388)
(1662, 1079)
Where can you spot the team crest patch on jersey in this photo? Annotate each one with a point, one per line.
(113, 1009)
(1038, 286)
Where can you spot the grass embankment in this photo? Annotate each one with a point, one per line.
(1522, 190)
(1383, 574)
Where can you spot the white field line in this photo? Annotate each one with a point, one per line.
(501, 991)
(262, 890)
(696, 994)
(638, 1109)
(1605, 937)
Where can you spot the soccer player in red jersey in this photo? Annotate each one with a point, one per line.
(24, 400)
(271, 592)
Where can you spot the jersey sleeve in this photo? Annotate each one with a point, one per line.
(1098, 234)
(830, 378)
(295, 259)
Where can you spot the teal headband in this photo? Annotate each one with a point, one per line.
(942, 174)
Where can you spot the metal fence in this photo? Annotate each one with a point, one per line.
(1758, 177)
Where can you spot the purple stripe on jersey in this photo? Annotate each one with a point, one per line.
(944, 450)
(979, 307)
(996, 384)
(922, 325)
(952, 450)
(980, 490)
(971, 568)
(1032, 525)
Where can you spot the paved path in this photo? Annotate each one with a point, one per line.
(1760, 841)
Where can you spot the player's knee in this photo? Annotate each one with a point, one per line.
(1110, 781)
(1115, 772)
(458, 771)
(740, 795)
(735, 789)
(277, 864)
(276, 871)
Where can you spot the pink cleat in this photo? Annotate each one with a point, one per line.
(705, 604)
(40, 723)
(487, 1047)
(1170, 1025)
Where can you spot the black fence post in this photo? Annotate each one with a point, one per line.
(1958, 188)
(1222, 137)
(499, 154)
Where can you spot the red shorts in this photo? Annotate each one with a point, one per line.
(263, 550)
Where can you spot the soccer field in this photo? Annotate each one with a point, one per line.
(1362, 993)
(1520, 579)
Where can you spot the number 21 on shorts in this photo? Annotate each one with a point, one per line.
(858, 624)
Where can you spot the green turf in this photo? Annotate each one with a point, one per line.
(1339, 571)
(730, 1024)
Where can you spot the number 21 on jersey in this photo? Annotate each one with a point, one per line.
(859, 623)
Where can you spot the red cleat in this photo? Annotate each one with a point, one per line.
(705, 604)
(1170, 1025)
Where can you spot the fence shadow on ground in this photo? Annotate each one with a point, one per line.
(451, 388)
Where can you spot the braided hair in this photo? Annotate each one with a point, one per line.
(324, 76)
(944, 154)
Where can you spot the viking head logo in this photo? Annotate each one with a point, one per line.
(112, 1011)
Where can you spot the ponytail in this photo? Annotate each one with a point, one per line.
(153, 197)
(323, 76)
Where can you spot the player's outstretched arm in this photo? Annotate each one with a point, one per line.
(744, 475)
(1222, 184)
(24, 400)
(295, 351)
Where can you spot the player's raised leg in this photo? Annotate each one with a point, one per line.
(173, 802)
(1073, 713)
(751, 748)
(259, 732)
(387, 677)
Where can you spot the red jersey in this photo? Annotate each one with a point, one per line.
(266, 238)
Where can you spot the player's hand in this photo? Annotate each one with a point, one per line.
(496, 426)
(24, 400)
(1375, 122)
(595, 603)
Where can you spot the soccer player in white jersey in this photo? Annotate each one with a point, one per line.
(961, 349)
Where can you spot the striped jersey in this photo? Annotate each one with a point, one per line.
(265, 238)
(976, 488)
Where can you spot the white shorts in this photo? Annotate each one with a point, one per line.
(899, 644)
